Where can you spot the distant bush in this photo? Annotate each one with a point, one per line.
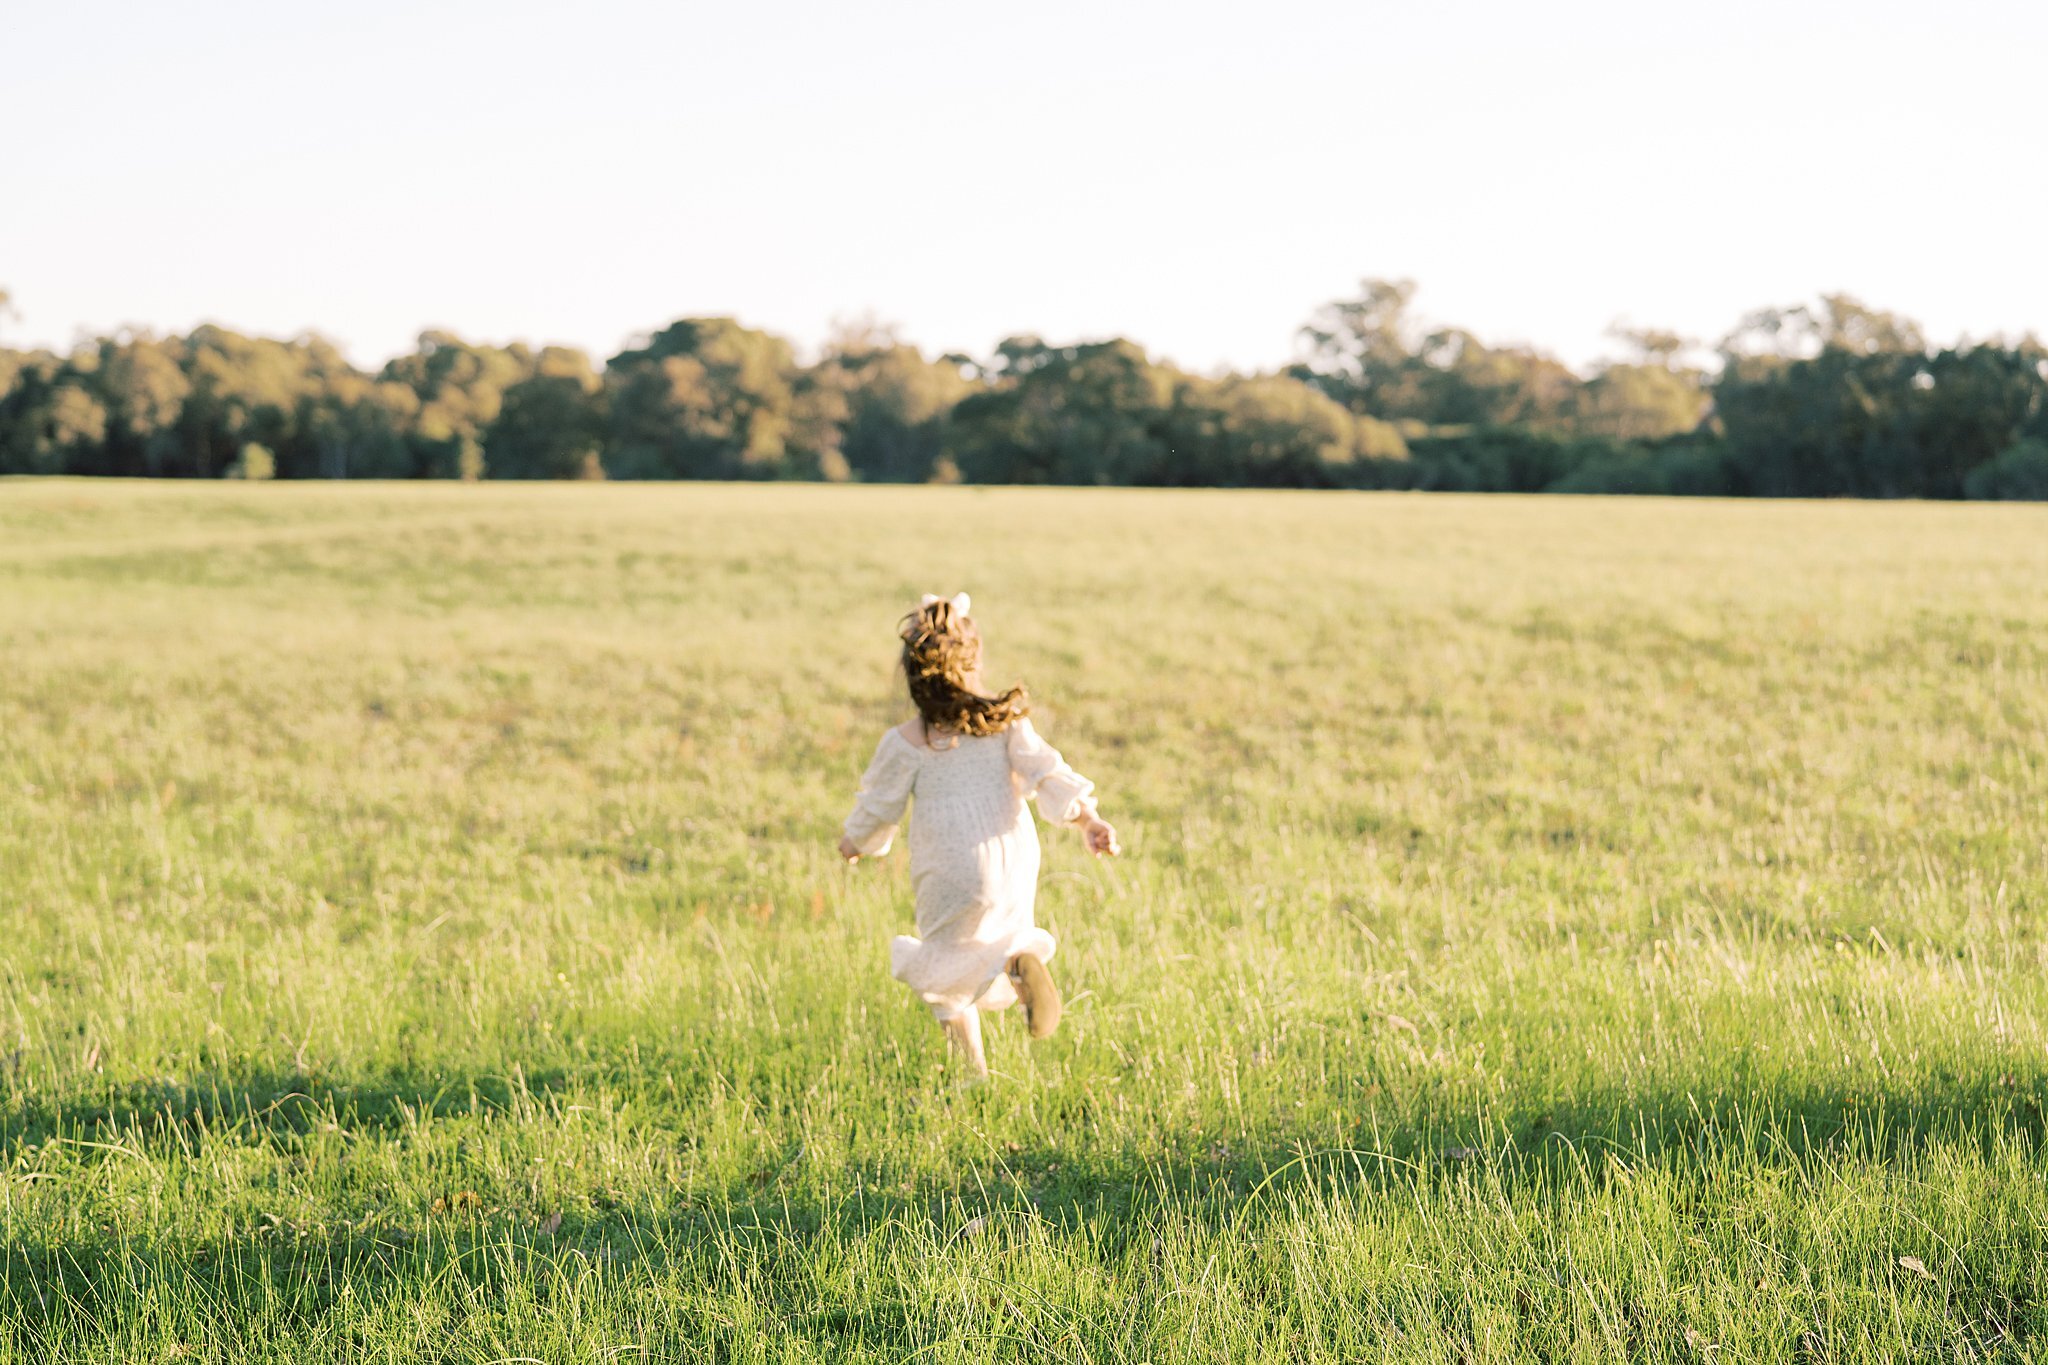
(1506, 459)
(2017, 474)
(1692, 468)
(255, 462)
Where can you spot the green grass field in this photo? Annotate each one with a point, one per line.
(1549, 929)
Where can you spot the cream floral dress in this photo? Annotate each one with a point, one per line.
(973, 854)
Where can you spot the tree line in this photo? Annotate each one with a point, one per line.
(1829, 400)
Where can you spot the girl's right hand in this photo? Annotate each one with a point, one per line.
(1101, 837)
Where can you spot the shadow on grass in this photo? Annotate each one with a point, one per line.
(759, 1233)
(277, 1104)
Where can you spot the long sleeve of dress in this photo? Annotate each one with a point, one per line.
(1062, 794)
(884, 791)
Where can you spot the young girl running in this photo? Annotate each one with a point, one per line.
(972, 761)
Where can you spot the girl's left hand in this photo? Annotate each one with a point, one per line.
(1101, 838)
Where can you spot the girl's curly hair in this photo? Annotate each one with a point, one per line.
(940, 648)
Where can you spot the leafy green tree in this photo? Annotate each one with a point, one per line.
(551, 424)
(1463, 382)
(72, 432)
(1372, 354)
(1962, 409)
(890, 403)
(459, 387)
(299, 399)
(1825, 399)
(1091, 413)
(1362, 350)
(2016, 474)
(1104, 412)
(1847, 324)
(1841, 322)
(1651, 395)
(141, 384)
(244, 389)
(356, 427)
(1273, 431)
(12, 363)
(1845, 400)
(1638, 403)
(1655, 346)
(28, 381)
(705, 398)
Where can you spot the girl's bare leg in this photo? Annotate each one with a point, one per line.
(963, 1031)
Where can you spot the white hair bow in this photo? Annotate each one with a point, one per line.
(961, 602)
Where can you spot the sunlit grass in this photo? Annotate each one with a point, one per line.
(1550, 929)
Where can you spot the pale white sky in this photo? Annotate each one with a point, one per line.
(1196, 176)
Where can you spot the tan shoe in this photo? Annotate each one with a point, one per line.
(1036, 993)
